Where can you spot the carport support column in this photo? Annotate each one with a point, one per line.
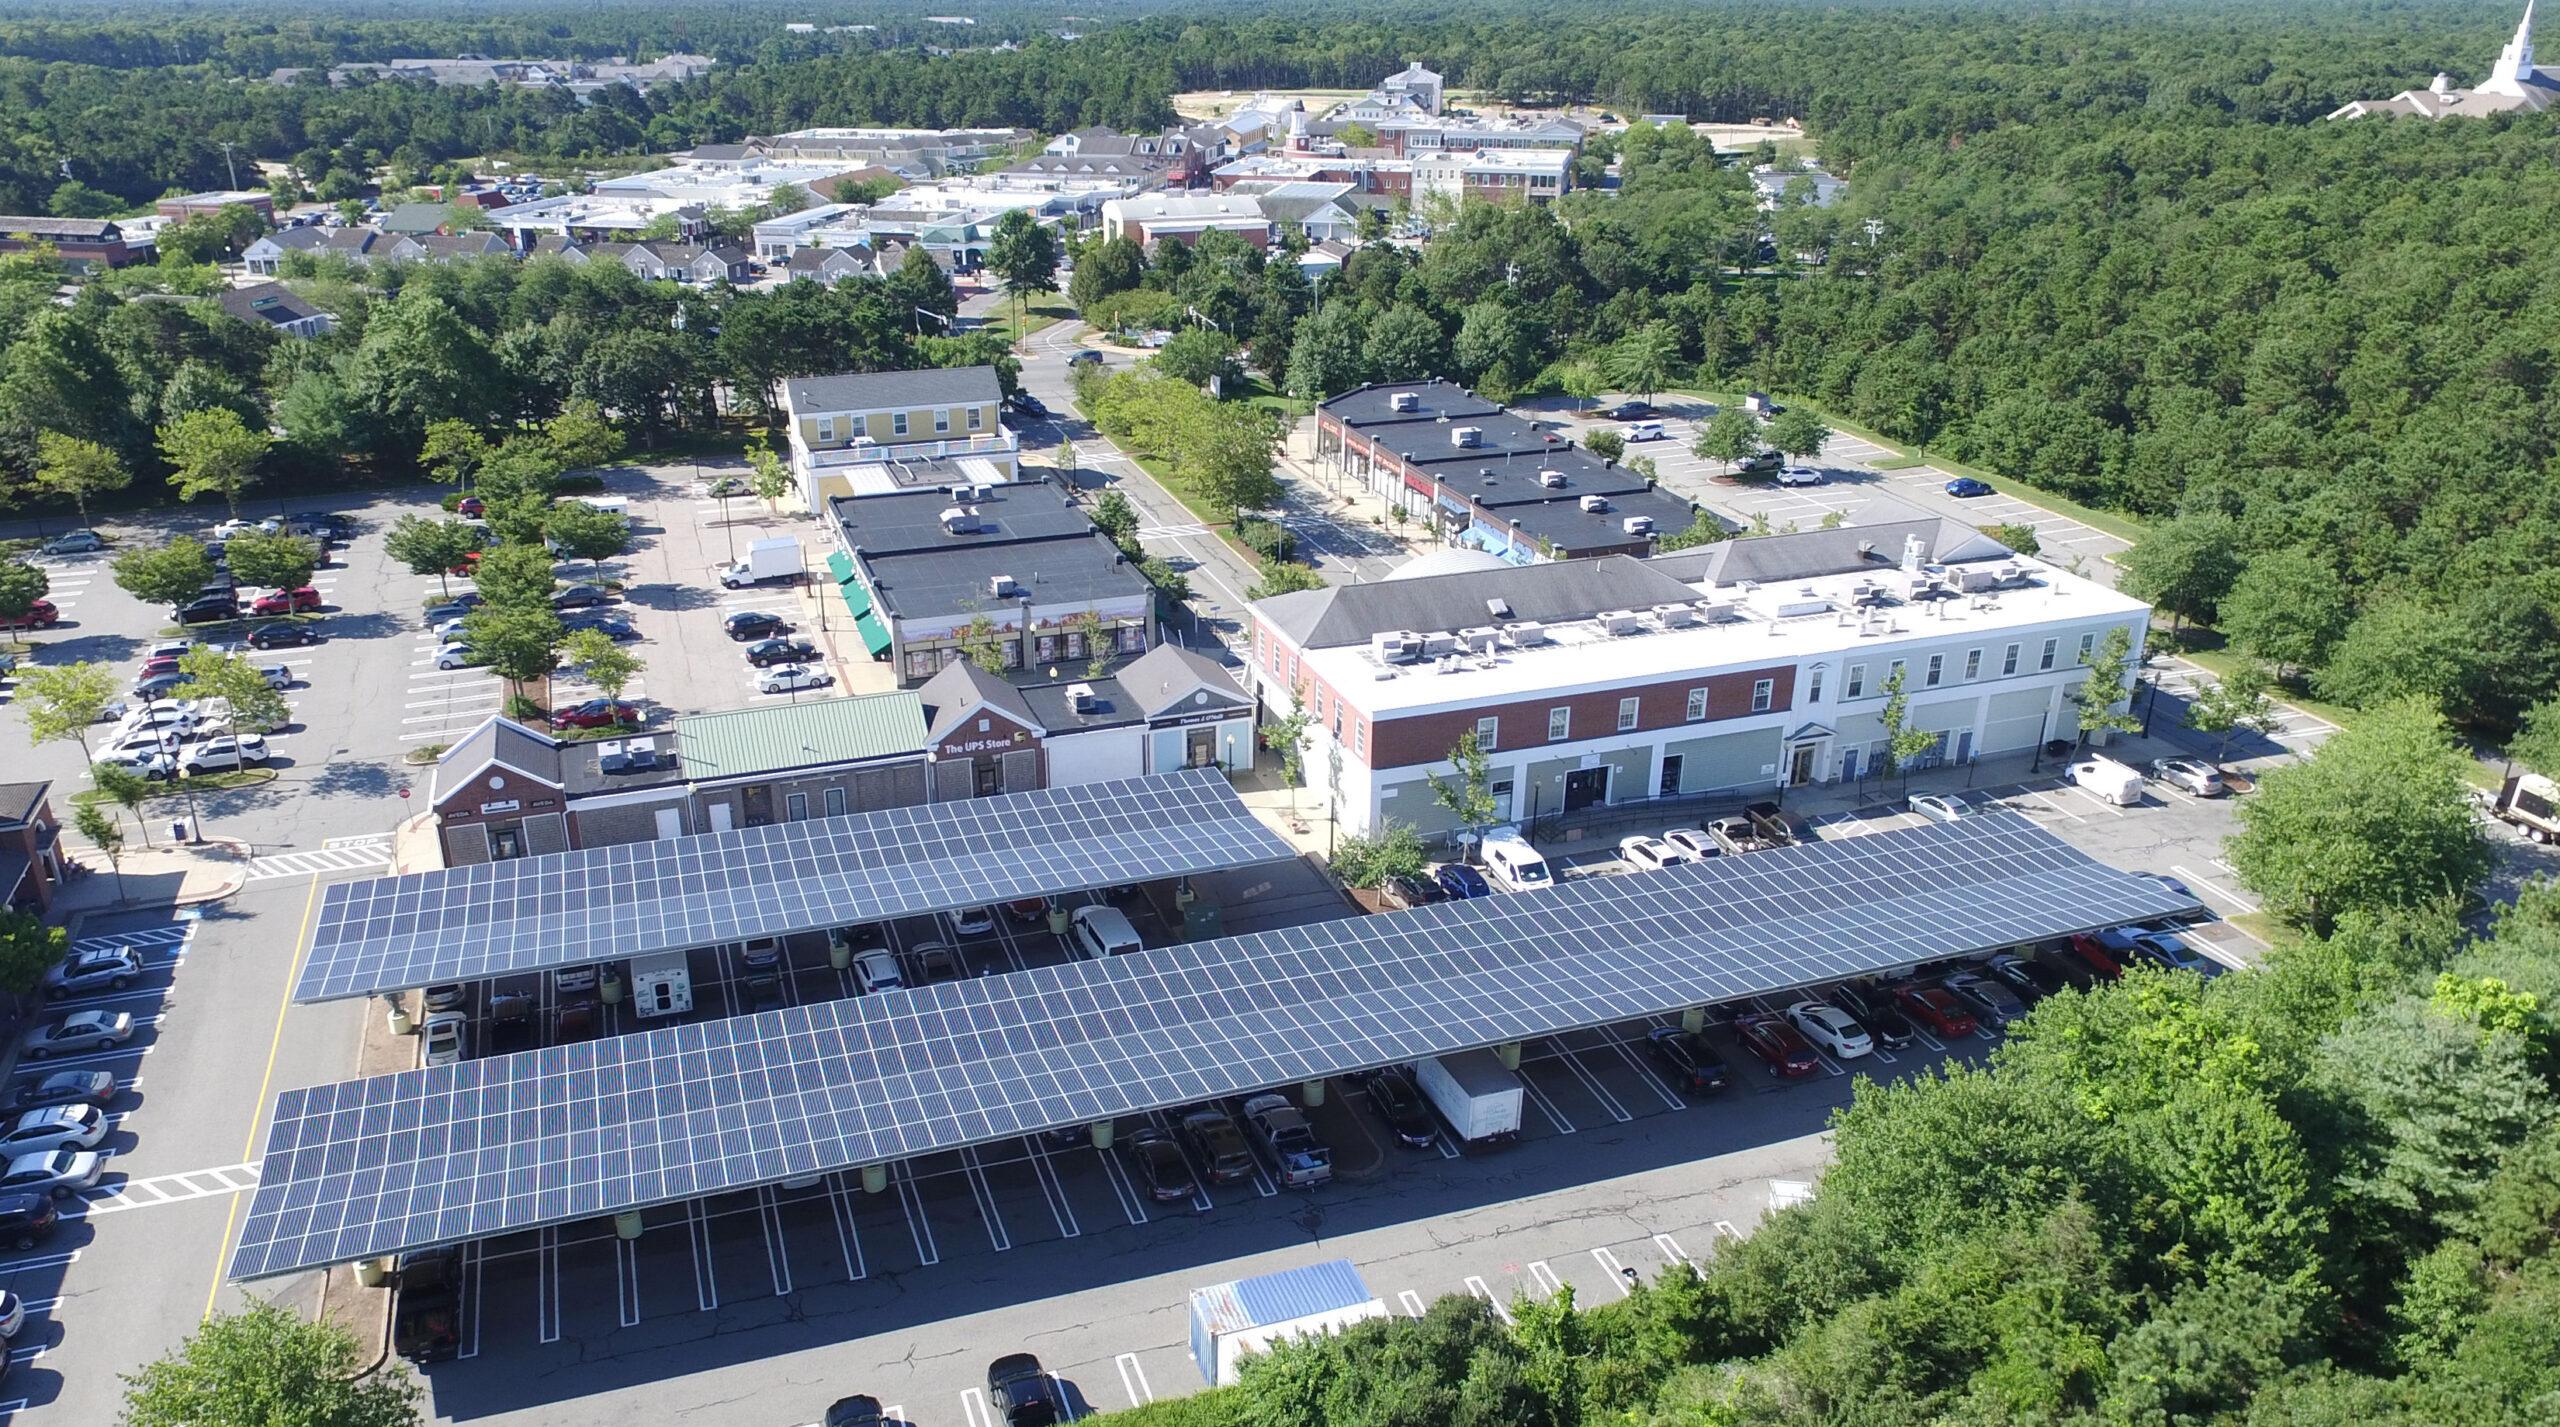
(1509, 1054)
(1694, 1019)
(626, 1224)
(875, 1178)
(1312, 1092)
(1102, 1134)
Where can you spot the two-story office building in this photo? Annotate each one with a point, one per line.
(1731, 669)
(867, 433)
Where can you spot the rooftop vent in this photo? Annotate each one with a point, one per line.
(1479, 640)
(1468, 436)
(1915, 552)
(1000, 586)
(643, 752)
(1804, 602)
(1080, 697)
(1391, 648)
(1637, 525)
(1619, 621)
(1552, 479)
(1594, 504)
(1718, 611)
(612, 756)
(1527, 632)
(1404, 401)
(1437, 643)
(959, 520)
(1673, 616)
(1498, 607)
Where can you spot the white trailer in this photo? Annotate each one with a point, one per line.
(1474, 1092)
(1232, 1321)
(774, 558)
(661, 984)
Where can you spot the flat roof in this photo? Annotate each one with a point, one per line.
(908, 521)
(444, 1154)
(1562, 519)
(629, 899)
(1081, 569)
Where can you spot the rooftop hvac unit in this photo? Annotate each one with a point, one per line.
(1803, 604)
(1871, 628)
(1975, 580)
(1449, 664)
(1404, 401)
(1466, 436)
(1637, 525)
(612, 756)
(1080, 697)
(1437, 643)
(1552, 479)
(1499, 607)
(1000, 586)
(1672, 616)
(1618, 621)
(1479, 640)
(1864, 590)
(1595, 503)
(2012, 574)
(1717, 611)
(959, 520)
(643, 752)
(1527, 632)
(1391, 648)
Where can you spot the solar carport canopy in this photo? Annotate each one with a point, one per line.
(517, 1142)
(629, 899)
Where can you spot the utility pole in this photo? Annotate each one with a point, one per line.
(228, 166)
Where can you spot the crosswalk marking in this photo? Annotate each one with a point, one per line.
(326, 859)
(176, 1188)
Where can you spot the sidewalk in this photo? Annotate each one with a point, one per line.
(1349, 504)
(163, 875)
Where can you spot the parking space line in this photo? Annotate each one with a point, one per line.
(1546, 1107)
(1200, 1198)
(1671, 1250)
(1477, 1287)
(1545, 1278)
(1670, 1097)
(911, 1200)
(1618, 1273)
(1052, 1190)
(985, 1194)
(1133, 1203)
(848, 1234)
(1725, 1230)
(697, 1223)
(2191, 875)
(626, 1280)
(1133, 1380)
(973, 1408)
(1410, 1301)
(2045, 798)
(777, 1255)
(546, 1295)
(1592, 1083)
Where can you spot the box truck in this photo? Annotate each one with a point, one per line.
(1232, 1321)
(661, 984)
(775, 558)
(1474, 1093)
(2531, 802)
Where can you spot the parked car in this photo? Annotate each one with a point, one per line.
(967, 922)
(159, 686)
(1799, 476)
(1931, 1006)
(278, 676)
(283, 636)
(2192, 775)
(1097, 933)
(1410, 892)
(1160, 1166)
(2166, 950)
(144, 758)
(1941, 807)
(234, 527)
(781, 651)
(579, 597)
(790, 678)
(83, 972)
(937, 962)
(1778, 1046)
(1875, 1011)
(65, 1087)
(224, 753)
(1025, 404)
(2027, 979)
(1213, 1136)
(55, 1127)
(859, 1410)
(446, 611)
(159, 664)
(2106, 959)
(296, 601)
(1030, 911)
(726, 487)
(426, 1319)
(1629, 411)
(449, 996)
(41, 614)
(1966, 487)
(1022, 1393)
(1282, 1128)
(1649, 854)
(1641, 431)
(1694, 841)
(612, 626)
(1831, 1028)
(60, 1173)
(73, 542)
(1399, 1102)
(1692, 1064)
(208, 609)
(457, 655)
(877, 971)
(597, 713)
(1460, 881)
(27, 1218)
(470, 507)
(81, 1030)
(447, 1037)
(1988, 999)
(749, 624)
(1777, 824)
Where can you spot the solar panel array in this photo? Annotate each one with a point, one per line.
(526, 914)
(545, 1137)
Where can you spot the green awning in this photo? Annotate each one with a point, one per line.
(875, 635)
(840, 565)
(857, 600)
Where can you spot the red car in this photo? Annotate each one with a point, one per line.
(1030, 911)
(470, 505)
(2097, 955)
(596, 713)
(1934, 1007)
(165, 664)
(40, 615)
(469, 564)
(287, 602)
(1778, 1045)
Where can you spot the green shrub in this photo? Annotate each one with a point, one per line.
(589, 484)
(1267, 538)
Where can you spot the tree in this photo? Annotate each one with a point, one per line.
(1799, 432)
(1467, 793)
(920, 283)
(580, 436)
(2096, 697)
(2536, 744)
(516, 577)
(1227, 453)
(263, 1367)
(2402, 646)
(768, 475)
(430, 547)
(1404, 344)
(255, 704)
(170, 574)
(1111, 266)
(1356, 135)
(1280, 577)
(586, 532)
(1288, 738)
(67, 465)
(1171, 583)
(520, 643)
(1731, 435)
(1395, 850)
(64, 700)
(1645, 360)
(126, 789)
(2378, 819)
(1704, 529)
(1115, 517)
(1023, 254)
(1903, 744)
(28, 949)
(1199, 356)
(1492, 348)
(21, 585)
(2233, 705)
(2184, 566)
(418, 363)
(1063, 461)
(600, 661)
(982, 644)
(99, 826)
(2287, 607)
(212, 451)
(2020, 538)
(1605, 444)
(278, 562)
(452, 450)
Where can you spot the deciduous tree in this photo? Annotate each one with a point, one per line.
(430, 547)
(256, 705)
(1799, 432)
(1731, 435)
(263, 1367)
(1466, 794)
(212, 451)
(278, 562)
(170, 574)
(586, 532)
(67, 465)
(519, 642)
(2288, 607)
(2233, 705)
(64, 700)
(2184, 566)
(600, 661)
(28, 949)
(21, 585)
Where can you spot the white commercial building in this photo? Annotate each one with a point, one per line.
(1732, 669)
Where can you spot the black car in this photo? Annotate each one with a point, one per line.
(210, 609)
(781, 651)
(1461, 881)
(454, 608)
(859, 1410)
(1411, 892)
(1874, 1010)
(1022, 1392)
(611, 626)
(1686, 1057)
(27, 1220)
(937, 962)
(1629, 411)
(1161, 1167)
(65, 1087)
(1219, 1144)
(283, 636)
(1026, 404)
(749, 624)
(1085, 357)
(579, 597)
(1393, 1095)
(426, 1318)
(2031, 979)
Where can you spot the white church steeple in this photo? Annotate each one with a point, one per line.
(2515, 62)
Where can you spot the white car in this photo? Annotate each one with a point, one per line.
(877, 970)
(1098, 933)
(55, 1127)
(1694, 841)
(1648, 854)
(223, 753)
(1830, 1028)
(60, 1173)
(971, 921)
(276, 675)
(144, 759)
(77, 542)
(229, 528)
(456, 656)
(450, 632)
(1941, 807)
(169, 649)
(161, 716)
(1799, 476)
(446, 1033)
(785, 678)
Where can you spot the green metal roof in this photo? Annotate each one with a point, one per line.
(744, 742)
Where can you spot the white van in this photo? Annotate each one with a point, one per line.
(1511, 864)
(1641, 431)
(610, 504)
(2105, 779)
(1103, 931)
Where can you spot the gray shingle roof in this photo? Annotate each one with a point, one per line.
(1165, 677)
(882, 391)
(1873, 541)
(1567, 589)
(961, 686)
(504, 743)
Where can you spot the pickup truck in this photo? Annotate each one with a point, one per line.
(1282, 1128)
(1738, 835)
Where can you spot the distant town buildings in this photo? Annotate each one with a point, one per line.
(580, 77)
(2513, 83)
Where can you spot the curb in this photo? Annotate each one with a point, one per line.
(78, 917)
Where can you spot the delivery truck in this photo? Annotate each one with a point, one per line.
(774, 558)
(1473, 1092)
(1233, 1321)
(662, 984)
(2106, 780)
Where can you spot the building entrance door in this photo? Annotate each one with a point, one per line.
(1801, 771)
(1670, 783)
(1585, 786)
(1199, 748)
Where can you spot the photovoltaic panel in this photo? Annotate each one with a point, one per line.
(517, 1142)
(531, 913)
